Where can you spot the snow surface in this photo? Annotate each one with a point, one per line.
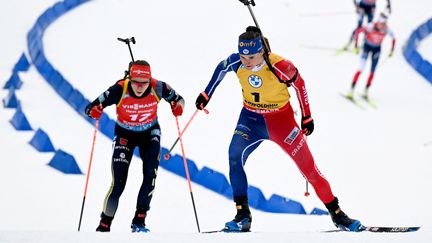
(377, 160)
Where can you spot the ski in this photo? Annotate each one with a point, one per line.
(343, 50)
(352, 100)
(212, 231)
(224, 230)
(373, 229)
(392, 229)
(340, 51)
(380, 229)
(369, 101)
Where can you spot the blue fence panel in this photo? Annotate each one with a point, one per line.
(412, 56)
(41, 141)
(64, 163)
(256, 198)
(22, 65)
(279, 204)
(425, 68)
(19, 121)
(13, 82)
(212, 180)
(11, 100)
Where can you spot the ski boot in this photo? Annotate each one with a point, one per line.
(243, 219)
(105, 223)
(346, 47)
(342, 49)
(341, 220)
(365, 95)
(138, 223)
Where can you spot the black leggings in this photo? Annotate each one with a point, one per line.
(124, 143)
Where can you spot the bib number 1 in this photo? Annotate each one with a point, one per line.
(256, 96)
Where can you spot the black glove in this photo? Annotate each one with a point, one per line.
(307, 125)
(201, 100)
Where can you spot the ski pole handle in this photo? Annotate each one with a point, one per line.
(123, 40)
(127, 41)
(247, 2)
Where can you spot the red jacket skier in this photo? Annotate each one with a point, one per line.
(374, 35)
(267, 115)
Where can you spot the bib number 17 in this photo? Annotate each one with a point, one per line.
(142, 117)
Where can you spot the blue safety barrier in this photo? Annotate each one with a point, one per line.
(19, 121)
(317, 211)
(64, 163)
(211, 179)
(77, 101)
(279, 204)
(412, 56)
(13, 82)
(256, 198)
(176, 165)
(11, 100)
(41, 142)
(22, 65)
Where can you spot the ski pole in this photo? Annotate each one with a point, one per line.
(187, 173)
(264, 40)
(127, 41)
(385, 60)
(252, 2)
(306, 194)
(167, 155)
(248, 3)
(88, 173)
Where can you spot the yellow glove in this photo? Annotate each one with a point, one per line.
(356, 50)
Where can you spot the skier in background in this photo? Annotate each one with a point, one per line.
(267, 115)
(374, 35)
(364, 8)
(136, 98)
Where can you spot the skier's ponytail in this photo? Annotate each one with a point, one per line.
(253, 32)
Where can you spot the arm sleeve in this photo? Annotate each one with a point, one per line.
(232, 63)
(111, 96)
(169, 94)
(287, 71)
(356, 35)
